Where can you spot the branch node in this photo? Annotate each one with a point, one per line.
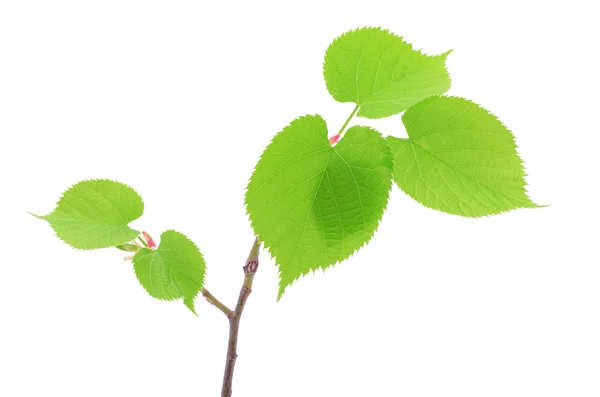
(251, 266)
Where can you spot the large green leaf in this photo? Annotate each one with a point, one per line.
(381, 73)
(175, 269)
(459, 159)
(313, 204)
(95, 214)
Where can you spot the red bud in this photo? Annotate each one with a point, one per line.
(149, 241)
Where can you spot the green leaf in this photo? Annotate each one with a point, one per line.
(173, 270)
(381, 73)
(95, 214)
(312, 204)
(459, 159)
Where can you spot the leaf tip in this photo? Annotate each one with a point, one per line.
(445, 54)
(189, 303)
(42, 217)
(280, 292)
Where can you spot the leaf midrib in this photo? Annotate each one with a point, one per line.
(91, 223)
(466, 175)
(313, 205)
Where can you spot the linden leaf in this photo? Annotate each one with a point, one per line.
(459, 159)
(95, 214)
(173, 270)
(381, 73)
(312, 204)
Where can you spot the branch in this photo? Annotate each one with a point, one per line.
(234, 320)
(217, 303)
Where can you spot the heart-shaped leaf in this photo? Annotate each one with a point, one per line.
(312, 204)
(95, 214)
(459, 159)
(175, 269)
(381, 73)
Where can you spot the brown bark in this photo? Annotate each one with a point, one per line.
(234, 318)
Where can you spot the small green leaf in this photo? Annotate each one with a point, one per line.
(128, 247)
(381, 73)
(173, 270)
(95, 214)
(312, 204)
(459, 159)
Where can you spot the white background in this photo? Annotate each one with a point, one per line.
(178, 99)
